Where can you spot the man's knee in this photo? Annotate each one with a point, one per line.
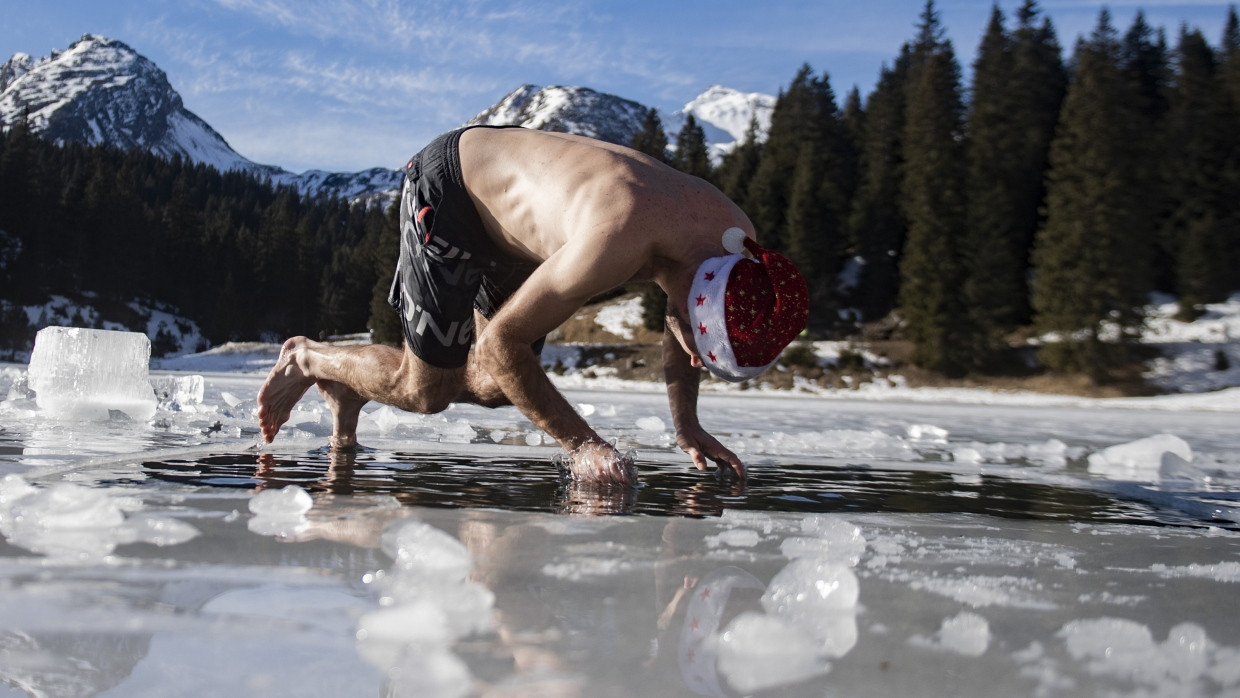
(425, 389)
(422, 402)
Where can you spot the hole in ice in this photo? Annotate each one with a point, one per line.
(532, 483)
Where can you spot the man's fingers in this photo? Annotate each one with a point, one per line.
(699, 458)
(727, 459)
(739, 468)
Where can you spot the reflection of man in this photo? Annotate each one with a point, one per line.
(505, 234)
(714, 601)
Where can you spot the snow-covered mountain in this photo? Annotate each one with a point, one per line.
(723, 113)
(101, 91)
(578, 110)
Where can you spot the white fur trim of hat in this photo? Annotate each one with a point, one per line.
(706, 312)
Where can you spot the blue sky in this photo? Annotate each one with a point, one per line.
(348, 84)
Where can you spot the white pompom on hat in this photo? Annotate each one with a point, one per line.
(743, 311)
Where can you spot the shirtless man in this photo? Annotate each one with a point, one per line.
(505, 234)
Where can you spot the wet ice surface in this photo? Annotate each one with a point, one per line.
(877, 549)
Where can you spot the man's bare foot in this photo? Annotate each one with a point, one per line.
(284, 386)
(346, 406)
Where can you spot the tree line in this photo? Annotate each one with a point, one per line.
(242, 258)
(1053, 200)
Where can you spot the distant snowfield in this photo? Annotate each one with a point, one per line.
(1188, 371)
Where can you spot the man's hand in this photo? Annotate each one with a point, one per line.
(702, 446)
(602, 464)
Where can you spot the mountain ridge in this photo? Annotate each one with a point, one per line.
(102, 91)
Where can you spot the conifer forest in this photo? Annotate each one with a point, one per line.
(1048, 198)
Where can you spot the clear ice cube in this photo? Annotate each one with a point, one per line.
(85, 374)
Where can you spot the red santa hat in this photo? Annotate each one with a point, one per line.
(743, 311)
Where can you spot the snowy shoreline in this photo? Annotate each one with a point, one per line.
(1186, 370)
(1198, 368)
(256, 359)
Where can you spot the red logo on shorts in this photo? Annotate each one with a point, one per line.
(426, 210)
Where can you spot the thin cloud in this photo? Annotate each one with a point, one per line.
(568, 40)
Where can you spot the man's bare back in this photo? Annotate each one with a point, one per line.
(592, 216)
(536, 191)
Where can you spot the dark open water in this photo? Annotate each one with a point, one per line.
(457, 480)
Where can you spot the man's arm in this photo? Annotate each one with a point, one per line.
(552, 294)
(682, 394)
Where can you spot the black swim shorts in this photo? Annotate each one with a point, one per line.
(448, 265)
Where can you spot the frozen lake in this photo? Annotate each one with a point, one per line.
(878, 548)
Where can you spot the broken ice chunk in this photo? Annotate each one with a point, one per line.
(1141, 460)
(177, 393)
(758, 651)
(83, 374)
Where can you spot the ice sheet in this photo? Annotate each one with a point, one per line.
(133, 552)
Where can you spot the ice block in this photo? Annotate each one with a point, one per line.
(84, 374)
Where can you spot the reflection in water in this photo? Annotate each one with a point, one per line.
(49, 442)
(667, 610)
(691, 625)
(458, 480)
(714, 602)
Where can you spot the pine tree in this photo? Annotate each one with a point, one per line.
(651, 139)
(15, 166)
(181, 223)
(1229, 75)
(994, 258)
(852, 136)
(805, 112)
(222, 324)
(307, 265)
(1200, 145)
(1145, 62)
(798, 196)
(1039, 82)
(38, 255)
(384, 322)
(1090, 256)
(1230, 54)
(876, 223)
(276, 262)
(736, 169)
(933, 187)
(1018, 86)
(692, 156)
(816, 236)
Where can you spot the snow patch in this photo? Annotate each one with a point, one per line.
(621, 318)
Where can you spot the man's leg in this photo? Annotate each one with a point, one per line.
(349, 377)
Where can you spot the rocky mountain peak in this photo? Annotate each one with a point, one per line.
(578, 110)
(100, 91)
